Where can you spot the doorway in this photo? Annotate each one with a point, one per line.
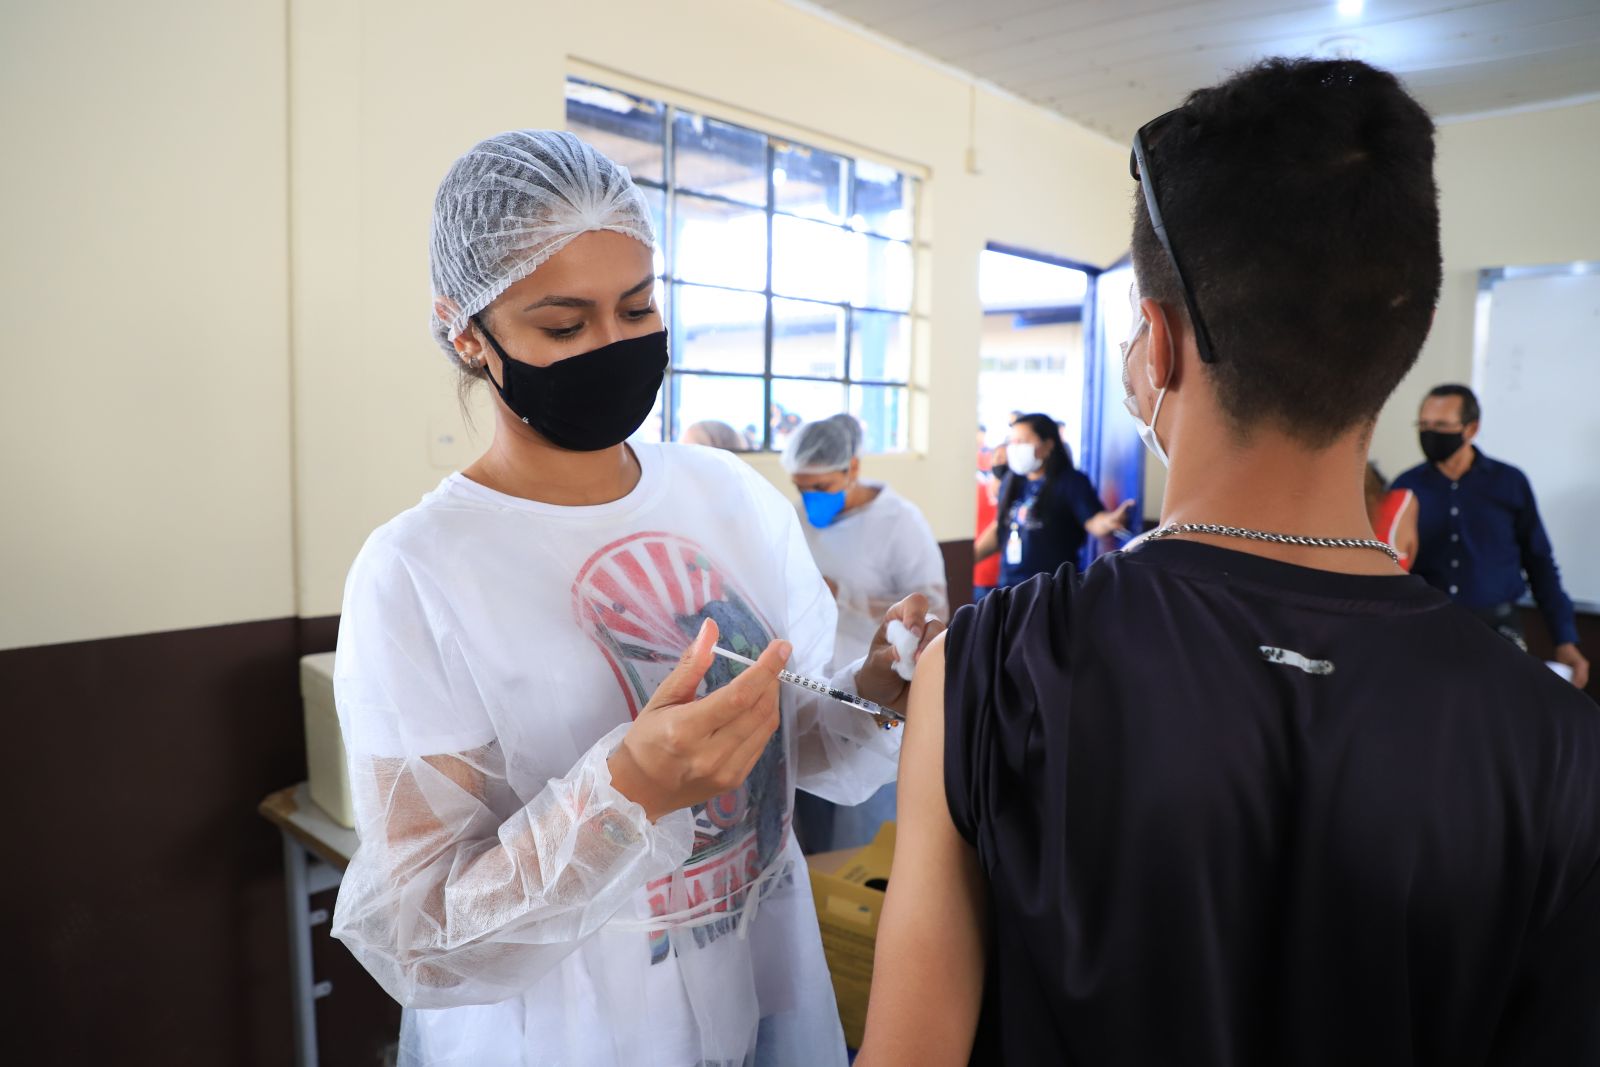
(1049, 345)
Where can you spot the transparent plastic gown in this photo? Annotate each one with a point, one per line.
(492, 652)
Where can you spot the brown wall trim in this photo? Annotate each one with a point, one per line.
(958, 570)
(147, 908)
(152, 892)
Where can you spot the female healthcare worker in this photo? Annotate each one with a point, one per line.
(874, 548)
(1048, 508)
(566, 857)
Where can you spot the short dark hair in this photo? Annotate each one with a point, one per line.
(1300, 198)
(1470, 412)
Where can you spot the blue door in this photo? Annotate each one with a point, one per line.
(1113, 456)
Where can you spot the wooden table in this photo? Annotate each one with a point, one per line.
(316, 851)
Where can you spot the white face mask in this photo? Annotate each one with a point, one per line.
(1147, 430)
(1022, 458)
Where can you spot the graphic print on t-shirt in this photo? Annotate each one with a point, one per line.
(642, 600)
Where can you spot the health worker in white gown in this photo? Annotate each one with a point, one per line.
(874, 548)
(574, 820)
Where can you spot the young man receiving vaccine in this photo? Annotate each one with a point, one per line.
(1246, 794)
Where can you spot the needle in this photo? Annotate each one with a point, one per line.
(892, 718)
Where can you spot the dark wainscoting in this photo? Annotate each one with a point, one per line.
(145, 902)
(145, 898)
(958, 571)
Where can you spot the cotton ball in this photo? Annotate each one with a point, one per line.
(904, 643)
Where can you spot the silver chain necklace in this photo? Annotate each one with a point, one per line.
(1274, 538)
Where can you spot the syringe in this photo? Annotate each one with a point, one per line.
(887, 716)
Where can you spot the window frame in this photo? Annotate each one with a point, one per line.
(668, 188)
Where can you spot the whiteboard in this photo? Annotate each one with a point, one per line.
(1537, 375)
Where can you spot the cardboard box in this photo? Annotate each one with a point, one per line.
(849, 893)
(329, 775)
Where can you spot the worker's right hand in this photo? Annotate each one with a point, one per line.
(1105, 523)
(681, 751)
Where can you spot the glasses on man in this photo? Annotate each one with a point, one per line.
(1139, 167)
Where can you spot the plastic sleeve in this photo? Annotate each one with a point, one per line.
(841, 754)
(451, 899)
(919, 568)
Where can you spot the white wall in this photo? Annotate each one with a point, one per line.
(385, 95)
(1517, 189)
(1513, 190)
(216, 221)
(145, 423)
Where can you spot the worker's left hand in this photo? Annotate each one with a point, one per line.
(1569, 655)
(877, 679)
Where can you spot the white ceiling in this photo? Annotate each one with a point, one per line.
(1112, 65)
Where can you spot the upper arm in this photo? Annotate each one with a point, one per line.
(401, 682)
(813, 614)
(926, 991)
(1407, 535)
(1530, 528)
(1085, 498)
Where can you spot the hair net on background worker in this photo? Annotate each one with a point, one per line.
(714, 433)
(510, 203)
(822, 446)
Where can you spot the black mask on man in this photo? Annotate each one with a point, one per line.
(587, 402)
(1439, 447)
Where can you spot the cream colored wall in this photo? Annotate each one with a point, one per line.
(384, 96)
(150, 468)
(1514, 190)
(146, 418)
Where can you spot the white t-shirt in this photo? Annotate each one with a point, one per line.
(492, 651)
(877, 554)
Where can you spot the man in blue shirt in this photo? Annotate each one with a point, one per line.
(1478, 528)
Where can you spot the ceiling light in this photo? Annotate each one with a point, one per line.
(1351, 9)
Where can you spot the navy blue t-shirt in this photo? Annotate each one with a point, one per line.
(1047, 520)
(1238, 813)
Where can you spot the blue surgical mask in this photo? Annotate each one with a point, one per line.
(822, 508)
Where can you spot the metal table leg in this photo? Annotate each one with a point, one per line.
(303, 876)
(300, 985)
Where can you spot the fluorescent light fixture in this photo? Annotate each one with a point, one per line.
(1352, 9)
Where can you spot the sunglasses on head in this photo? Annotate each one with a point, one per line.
(1139, 167)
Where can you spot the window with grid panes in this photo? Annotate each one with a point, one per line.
(786, 271)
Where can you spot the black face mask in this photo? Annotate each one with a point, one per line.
(589, 402)
(1439, 447)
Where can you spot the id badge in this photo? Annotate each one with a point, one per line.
(1014, 548)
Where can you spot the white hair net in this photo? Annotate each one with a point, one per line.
(511, 203)
(825, 445)
(716, 434)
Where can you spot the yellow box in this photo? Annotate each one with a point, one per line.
(849, 893)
